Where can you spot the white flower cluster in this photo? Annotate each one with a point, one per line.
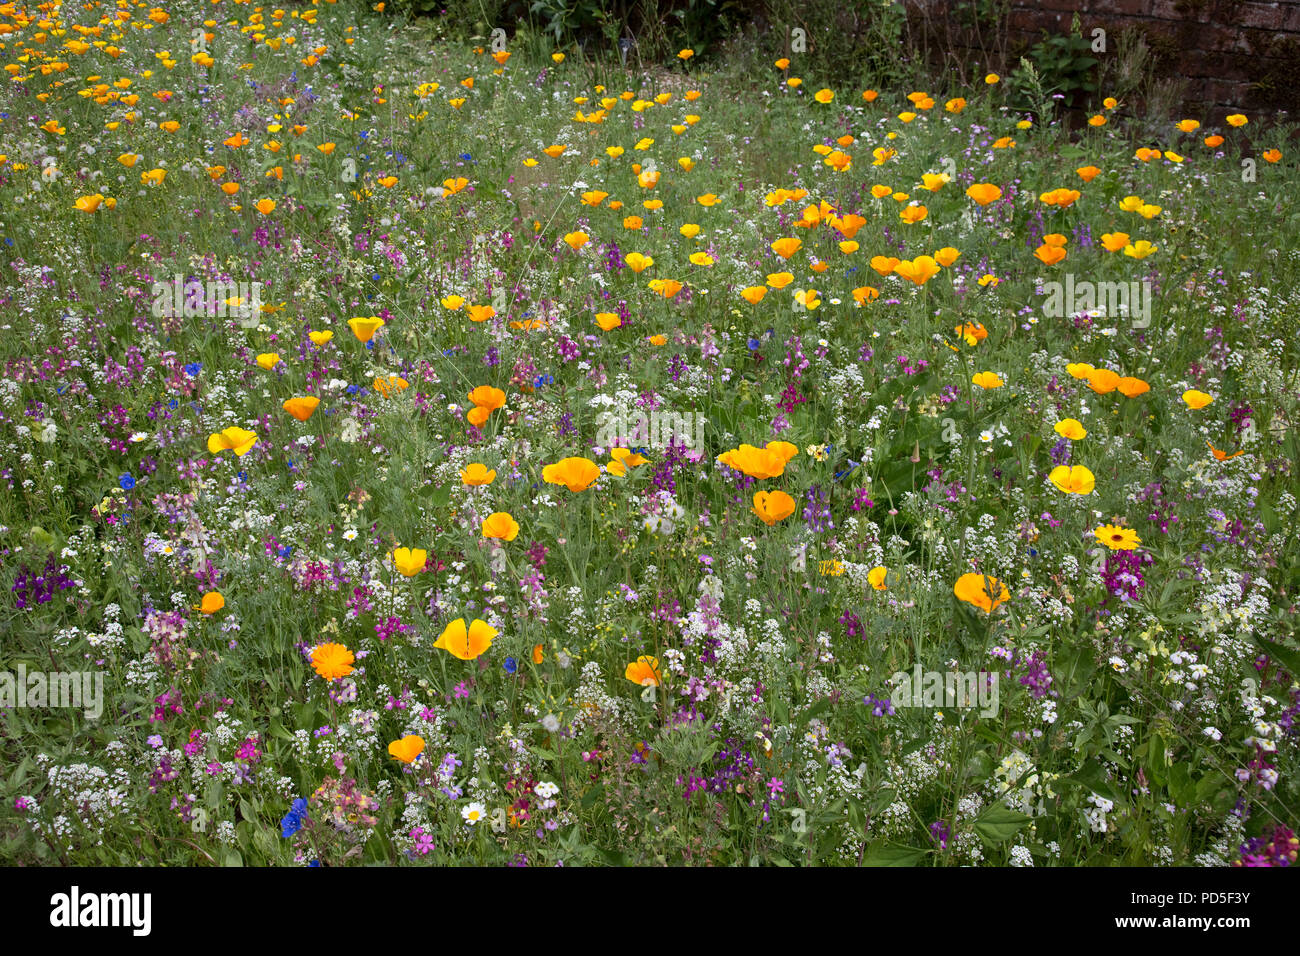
(1096, 814)
(93, 795)
(1021, 786)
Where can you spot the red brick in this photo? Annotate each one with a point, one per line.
(1224, 92)
(1232, 39)
(1221, 47)
(1066, 6)
(1024, 20)
(1223, 65)
(1170, 10)
(1122, 8)
(1265, 16)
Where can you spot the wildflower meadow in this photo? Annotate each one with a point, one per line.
(494, 450)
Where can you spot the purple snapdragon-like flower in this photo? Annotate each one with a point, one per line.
(31, 588)
(1278, 848)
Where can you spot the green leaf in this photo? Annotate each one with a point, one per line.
(19, 775)
(612, 857)
(1289, 658)
(1073, 668)
(263, 841)
(1157, 759)
(1092, 777)
(817, 709)
(1180, 783)
(998, 824)
(1268, 517)
(891, 854)
(1208, 785)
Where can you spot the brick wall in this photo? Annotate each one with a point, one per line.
(1237, 55)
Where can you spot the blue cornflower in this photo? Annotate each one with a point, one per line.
(467, 157)
(753, 344)
(511, 665)
(193, 369)
(126, 481)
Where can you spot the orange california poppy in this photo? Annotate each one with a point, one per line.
(407, 749)
(301, 408)
(644, 671)
(976, 589)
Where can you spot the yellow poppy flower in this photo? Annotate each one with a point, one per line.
(1073, 479)
(238, 440)
(409, 561)
(467, 643)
